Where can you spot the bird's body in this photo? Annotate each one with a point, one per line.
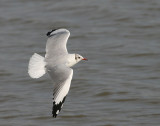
(57, 63)
(68, 60)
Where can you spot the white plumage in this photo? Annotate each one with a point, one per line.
(36, 67)
(57, 63)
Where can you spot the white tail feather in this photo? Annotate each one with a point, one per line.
(36, 67)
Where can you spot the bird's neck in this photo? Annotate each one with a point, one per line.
(71, 61)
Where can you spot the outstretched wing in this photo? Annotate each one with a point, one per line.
(56, 43)
(61, 76)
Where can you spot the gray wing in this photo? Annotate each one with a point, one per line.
(61, 76)
(56, 43)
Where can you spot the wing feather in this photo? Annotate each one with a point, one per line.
(61, 76)
(56, 44)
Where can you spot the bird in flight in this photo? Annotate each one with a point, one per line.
(56, 63)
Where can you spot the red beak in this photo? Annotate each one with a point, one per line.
(84, 59)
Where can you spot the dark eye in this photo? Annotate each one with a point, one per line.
(79, 57)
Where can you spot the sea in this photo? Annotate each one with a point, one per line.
(119, 85)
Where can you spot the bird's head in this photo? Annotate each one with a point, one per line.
(79, 58)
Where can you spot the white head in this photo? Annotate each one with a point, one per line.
(74, 59)
(79, 58)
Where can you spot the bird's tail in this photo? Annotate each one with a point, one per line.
(36, 67)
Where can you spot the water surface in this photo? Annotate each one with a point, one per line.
(118, 86)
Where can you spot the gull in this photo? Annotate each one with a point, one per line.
(56, 63)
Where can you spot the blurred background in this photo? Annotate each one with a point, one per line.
(118, 86)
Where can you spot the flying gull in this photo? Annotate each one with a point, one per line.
(57, 63)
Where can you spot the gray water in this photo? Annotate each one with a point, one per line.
(118, 86)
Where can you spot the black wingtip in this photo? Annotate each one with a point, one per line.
(54, 116)
(49, 33)
(57, 108)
